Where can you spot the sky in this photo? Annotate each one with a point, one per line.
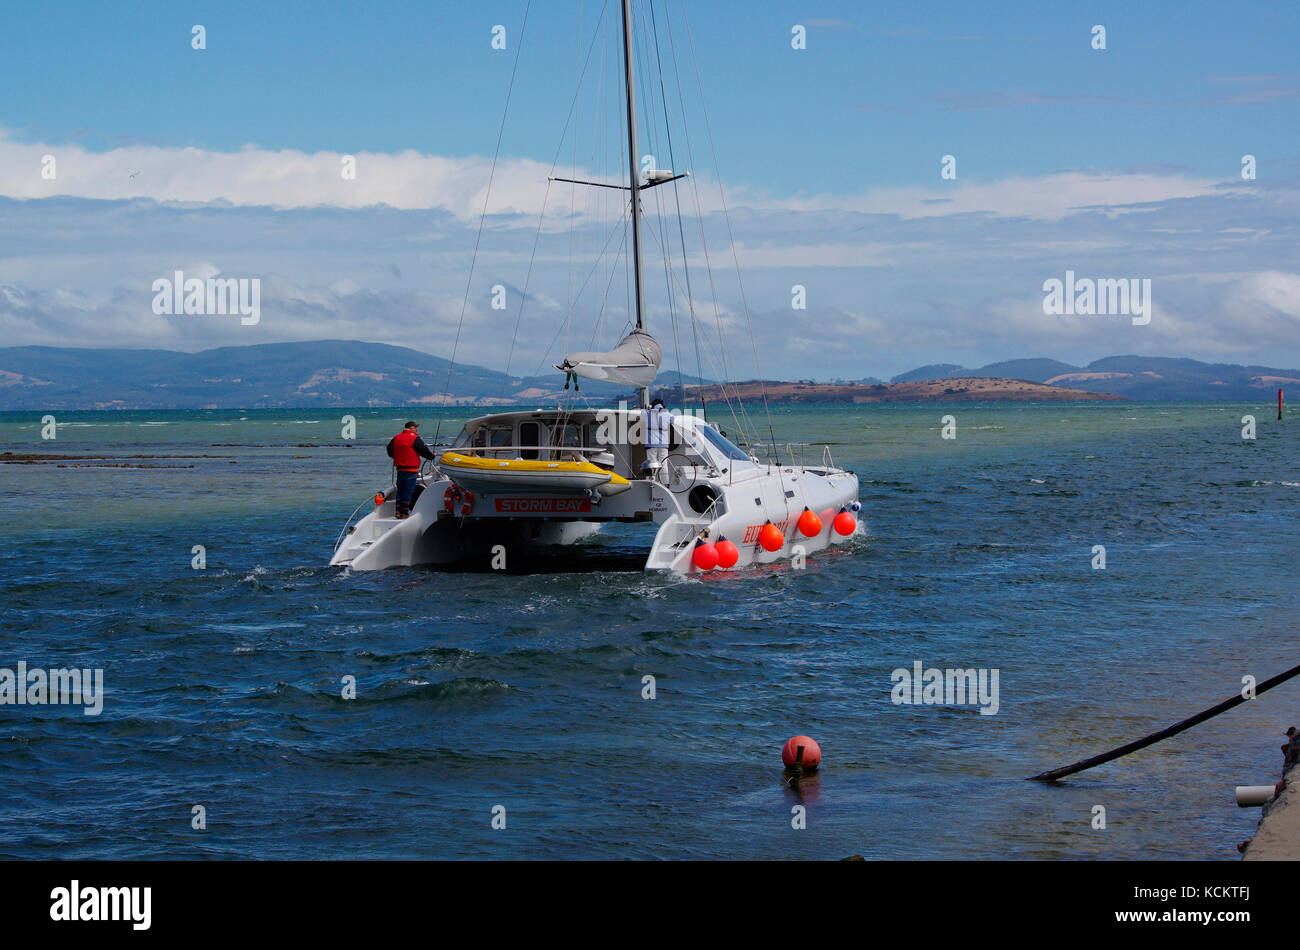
(819, 167)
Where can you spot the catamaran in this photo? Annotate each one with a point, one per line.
(519, 479)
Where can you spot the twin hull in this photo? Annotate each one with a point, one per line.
(473, 527)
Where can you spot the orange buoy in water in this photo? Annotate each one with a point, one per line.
(803, 752)
(810, 524)
(705, 556)
(728, 553)
(845, 523)
(771, 538)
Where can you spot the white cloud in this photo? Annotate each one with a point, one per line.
(410, 180)
(1280, 292)
(278, 179)
(1048, 197)
(894, 277)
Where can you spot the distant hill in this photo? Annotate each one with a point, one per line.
(269, 375)
(1133, 377)
(329, 373)
(1035, 370)
(972, 389)
(933, 371)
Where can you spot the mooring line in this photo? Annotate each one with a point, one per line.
(1155, 737)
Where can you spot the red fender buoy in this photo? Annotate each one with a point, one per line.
(705, 555)
(808, 760)
(845, 523)
(771, 538)
(809, 524)
(728, 553)
(379, 498)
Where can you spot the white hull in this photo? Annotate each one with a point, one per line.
(379, 541)
(737, 498)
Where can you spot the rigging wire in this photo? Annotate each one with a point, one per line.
(730, 233)
(590, 273)
(725, 375)
(662, 238)
(573, 218)
(681, 230)
(555, 161)
(469, 281)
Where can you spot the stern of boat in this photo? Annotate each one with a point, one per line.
(742, 510)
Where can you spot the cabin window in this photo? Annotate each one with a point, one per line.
(530, 433)
(500, 437)
(723, 444)
(564, 436)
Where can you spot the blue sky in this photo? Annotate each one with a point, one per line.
(1123, 162)
(880, 92)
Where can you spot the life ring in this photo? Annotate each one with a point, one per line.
(449, 498)
(466, 503)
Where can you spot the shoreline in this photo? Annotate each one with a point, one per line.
(1278, 836)
(964, 389)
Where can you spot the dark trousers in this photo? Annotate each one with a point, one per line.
(405, 489)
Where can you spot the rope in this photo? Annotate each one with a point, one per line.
(1054, 774)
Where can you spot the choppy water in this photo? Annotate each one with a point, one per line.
(524, 689)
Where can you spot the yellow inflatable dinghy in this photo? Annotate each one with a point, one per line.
(489, 475)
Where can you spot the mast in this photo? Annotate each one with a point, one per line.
(633, 186)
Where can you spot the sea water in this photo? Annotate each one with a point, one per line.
(506, 714)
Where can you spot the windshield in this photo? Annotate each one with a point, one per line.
(722, 443)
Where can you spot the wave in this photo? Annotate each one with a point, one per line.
(399, 691)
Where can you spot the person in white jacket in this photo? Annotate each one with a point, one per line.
(658, 437)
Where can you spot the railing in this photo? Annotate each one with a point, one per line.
(707, 515)
(343, 532)
(476, 449)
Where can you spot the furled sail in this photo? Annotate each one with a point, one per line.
(635, 361)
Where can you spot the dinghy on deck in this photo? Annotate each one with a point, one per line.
(523, 475)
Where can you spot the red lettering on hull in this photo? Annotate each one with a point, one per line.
(751, 532)
(543, 506)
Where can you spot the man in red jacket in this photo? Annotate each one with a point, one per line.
(406, 449)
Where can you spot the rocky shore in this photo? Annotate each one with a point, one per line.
(1278, 836)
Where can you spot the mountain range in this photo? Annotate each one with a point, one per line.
(349, 373)
(267, 376)
(1133, 377)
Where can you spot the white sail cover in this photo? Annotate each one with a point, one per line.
(635, 360)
